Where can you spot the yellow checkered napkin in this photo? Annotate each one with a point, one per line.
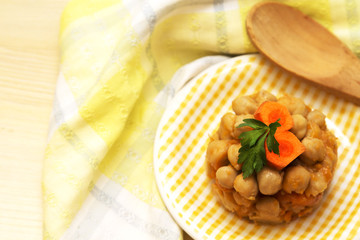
(117, 59)
(195, 113)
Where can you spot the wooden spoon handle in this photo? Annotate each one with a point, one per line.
(347, 82)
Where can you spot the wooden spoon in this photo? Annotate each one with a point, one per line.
(305, 48)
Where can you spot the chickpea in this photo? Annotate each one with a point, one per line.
(216, 154)
(233, 154)
(263, 96)
(294, 105)
(313, 130)
(244, 105)
(315, 150)
(300, 126)
(226, 126)
(225, 176)
(247, 187)
(268, 211)
(317, 185)
(239, 119)
(317, 117)
(296, 179)
(268, 206)
(269, 181)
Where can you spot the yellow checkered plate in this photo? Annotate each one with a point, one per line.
(195, 112)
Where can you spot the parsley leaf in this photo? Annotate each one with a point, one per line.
(250, 138)
(253, 123)
(271, 142)
(252, 153)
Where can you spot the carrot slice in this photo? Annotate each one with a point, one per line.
(269, 112)
(289, 147)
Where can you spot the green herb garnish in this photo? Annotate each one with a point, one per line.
(252, 152)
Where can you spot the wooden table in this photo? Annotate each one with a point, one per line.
(28, 72)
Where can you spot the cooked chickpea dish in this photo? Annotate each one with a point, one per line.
(272, 195)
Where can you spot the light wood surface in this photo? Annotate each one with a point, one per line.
(28, 72)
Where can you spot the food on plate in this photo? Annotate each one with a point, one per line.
(271, 159)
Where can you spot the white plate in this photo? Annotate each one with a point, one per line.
(194, 114)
